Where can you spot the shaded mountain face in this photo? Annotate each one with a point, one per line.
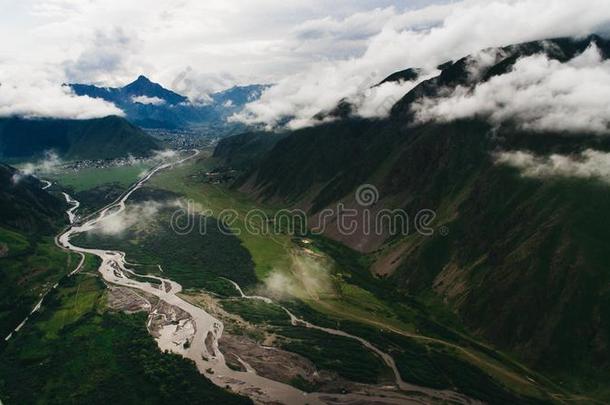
(149, 105)
(24, 206)
(101, 138)
(244, 151)
(522, 260)
(29, 261)
(144, 87)
(403, 75)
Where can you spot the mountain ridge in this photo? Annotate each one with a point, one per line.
(150, 105)
(99, 138)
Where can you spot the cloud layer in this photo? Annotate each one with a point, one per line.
(539, 94)
(588, 164)
(43, 98)
(317, 52)
(421, 38)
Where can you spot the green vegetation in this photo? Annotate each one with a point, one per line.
(345, 356)
(77, 352)
(101, 138)
(524, 264)
(88, 178)
(29, 267)
(245, 150)
(25, 207)
(194, 259)
(268, 253)
(257, 312)
(431, 363)
(359, 298)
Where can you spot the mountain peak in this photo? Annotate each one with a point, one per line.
(142, 79)
(143, 86)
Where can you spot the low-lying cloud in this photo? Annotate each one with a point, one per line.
(34, 94)
(379, 100)
(538, 94)
(308, 277)
(135, 215)
(48, 164)
(165, 154)
(590, 164)
(148, 100)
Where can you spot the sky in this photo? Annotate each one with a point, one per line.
(315, 52)
(225, 42)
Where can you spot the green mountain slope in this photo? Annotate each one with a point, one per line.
(24, 206)
(245, 150)
(29, 260)
(101, 138)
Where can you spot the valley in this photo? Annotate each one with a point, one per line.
(356, 203)
(204, 354)
(340, 312)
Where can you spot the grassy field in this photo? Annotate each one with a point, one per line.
(268, 253)
(89, 178)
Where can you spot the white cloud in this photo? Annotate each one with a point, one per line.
(317, 51)
(135, 214)
(50, 100)
(163, 155)
(421, 38)
(109, 53)
(588, 164)
(308, 275)
(224, 42)
(48, 164)
(539, 93)
(148, 100)
(32, 93)
(377, 102)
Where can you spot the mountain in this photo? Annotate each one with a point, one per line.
(403, 75)
(138, 88)
(149, 105)
(245, 151)
(101, 138)
(144, 87)
(237, 96)
(24, 206)
(29, 260)
(522, 261)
